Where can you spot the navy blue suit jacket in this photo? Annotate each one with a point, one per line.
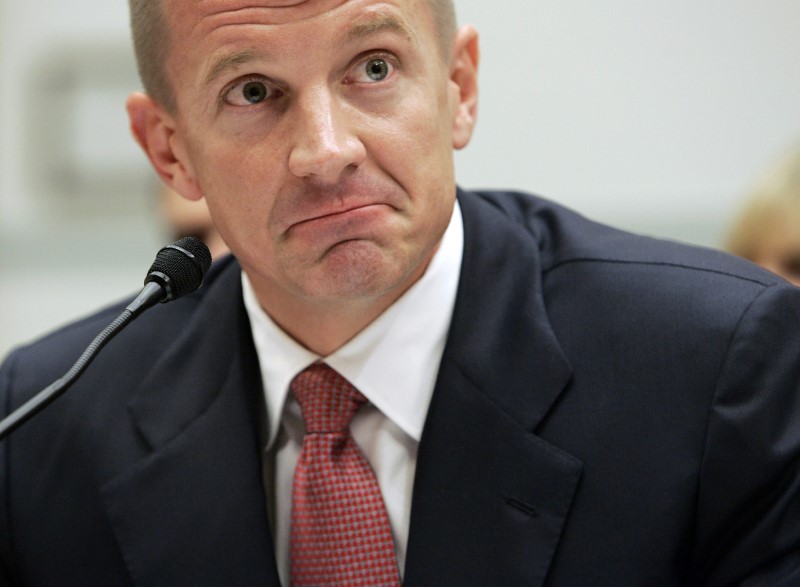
(610, 410)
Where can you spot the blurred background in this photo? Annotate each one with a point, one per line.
(653, 116)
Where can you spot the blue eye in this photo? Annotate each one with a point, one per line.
(377, 69)
(254, 92)
(372, 70)
(248, 92)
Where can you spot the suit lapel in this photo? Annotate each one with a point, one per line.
(490, 497)
(198, 411)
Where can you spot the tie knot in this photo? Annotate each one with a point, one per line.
(328, 401)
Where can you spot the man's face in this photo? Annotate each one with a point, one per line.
(320, 133)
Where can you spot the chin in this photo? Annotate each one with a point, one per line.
(357, 269)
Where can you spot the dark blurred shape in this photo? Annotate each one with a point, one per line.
(190, 218)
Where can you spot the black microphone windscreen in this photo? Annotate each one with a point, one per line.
(184, 264)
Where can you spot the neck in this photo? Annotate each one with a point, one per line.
(325, 325)
(323, 330)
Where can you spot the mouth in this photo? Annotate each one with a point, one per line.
(339, 214)
(326, 230)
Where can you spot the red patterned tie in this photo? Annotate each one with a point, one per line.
(340, 530)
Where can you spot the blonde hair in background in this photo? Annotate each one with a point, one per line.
(767, 230)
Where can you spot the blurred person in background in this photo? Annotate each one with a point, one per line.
(767, 230)
(185, 217)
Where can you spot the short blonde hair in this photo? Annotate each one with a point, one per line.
(151, 43)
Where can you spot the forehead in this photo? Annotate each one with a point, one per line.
(190, 18)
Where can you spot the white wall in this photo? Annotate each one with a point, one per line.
(655, 116)
(65, 68)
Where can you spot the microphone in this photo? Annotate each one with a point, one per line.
(179, 269)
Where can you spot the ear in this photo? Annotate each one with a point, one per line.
(155, 131)
(464, 78)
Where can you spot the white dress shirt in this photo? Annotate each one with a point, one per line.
(394, 362)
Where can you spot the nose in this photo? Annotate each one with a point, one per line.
(325, 144)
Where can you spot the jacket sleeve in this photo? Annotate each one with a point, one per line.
(748, 511)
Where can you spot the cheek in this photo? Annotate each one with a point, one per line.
(237, 189)
(235, 177)
(420, 138)
(417, 150)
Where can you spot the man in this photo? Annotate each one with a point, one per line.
(549, 401)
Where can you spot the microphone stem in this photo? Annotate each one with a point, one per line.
(59, 386)
(150, 295)
(179, 269)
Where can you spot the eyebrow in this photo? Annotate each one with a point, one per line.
(382, 23)
(378, 25)
(226, 62)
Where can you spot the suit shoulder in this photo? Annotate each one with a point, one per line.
(564, 237)
(34, 365)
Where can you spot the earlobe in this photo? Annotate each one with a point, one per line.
(154, 130)
(464, 78)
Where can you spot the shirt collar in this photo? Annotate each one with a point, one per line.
(394, 361)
